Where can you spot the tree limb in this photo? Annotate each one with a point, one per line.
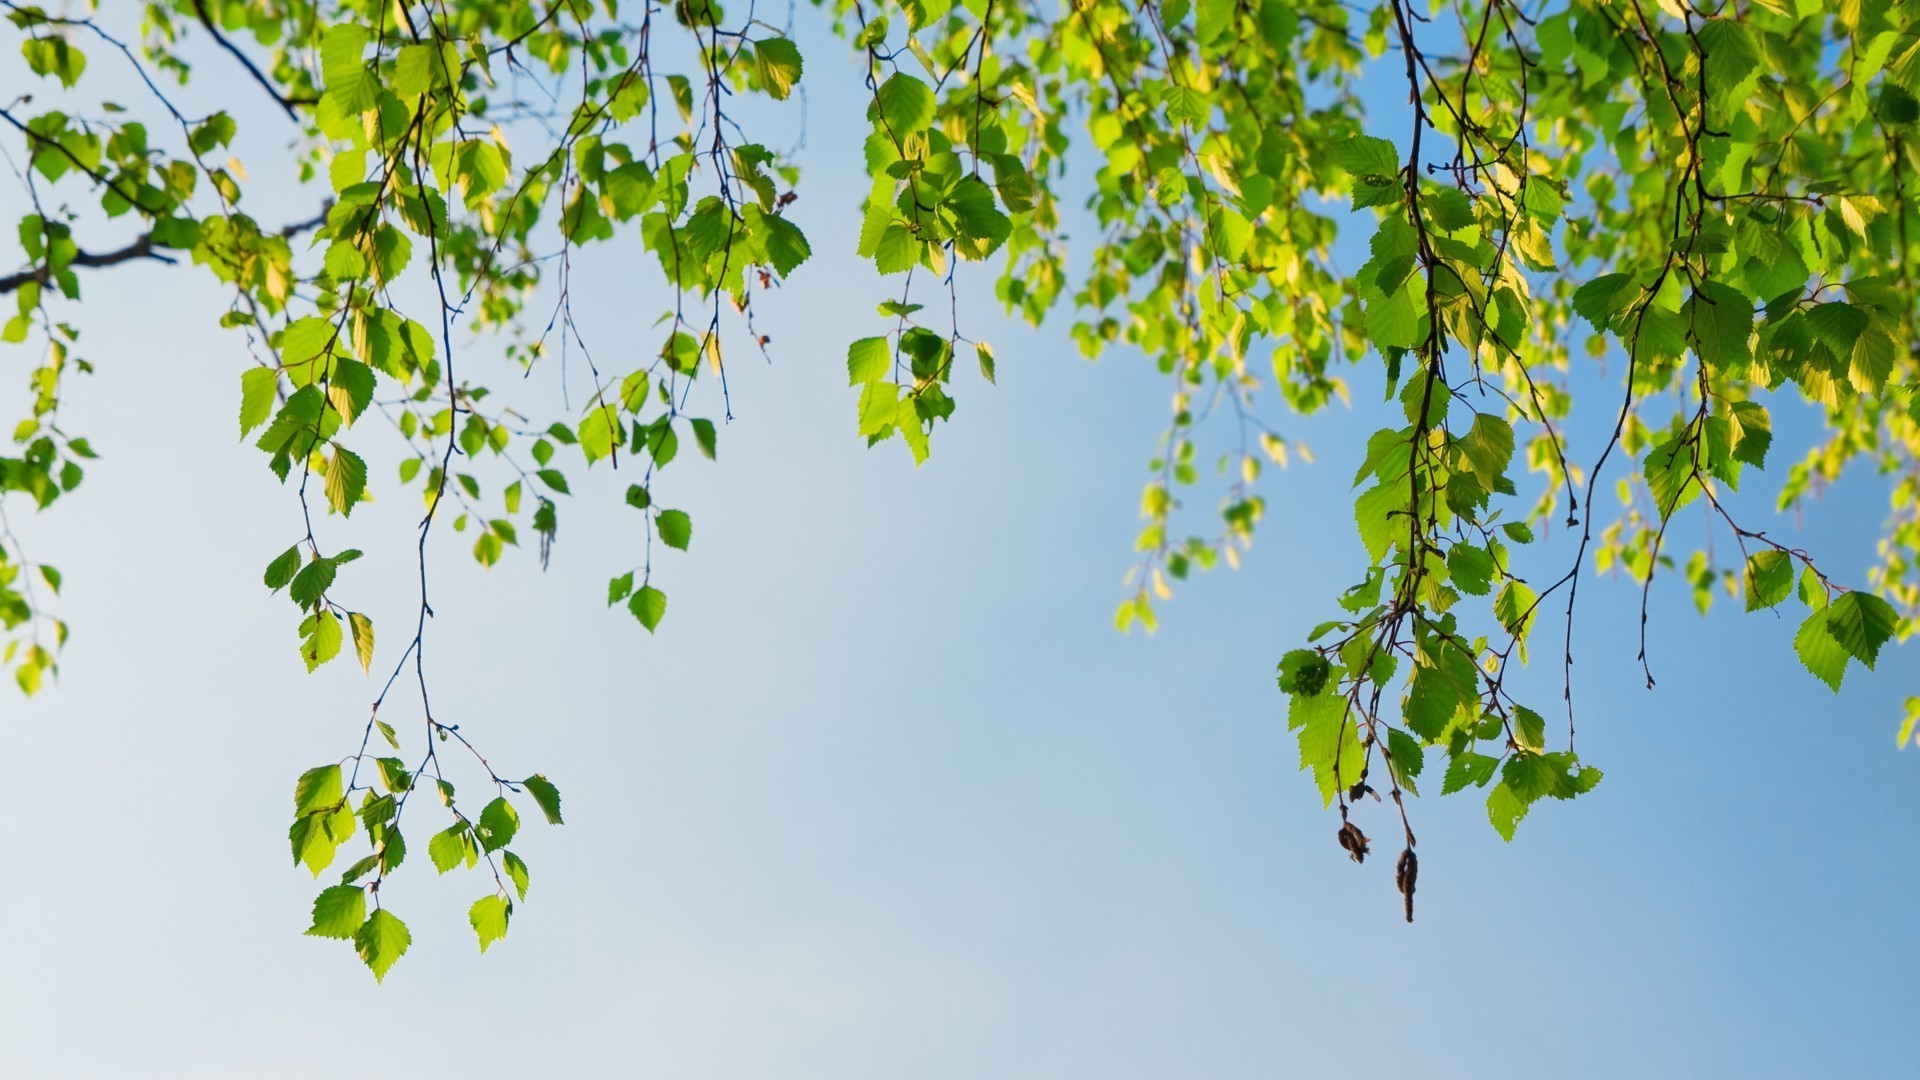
(285, 102)
(141, 248)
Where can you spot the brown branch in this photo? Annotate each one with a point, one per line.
(285, 102)
(141, 248)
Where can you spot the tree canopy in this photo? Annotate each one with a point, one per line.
(1713, 200)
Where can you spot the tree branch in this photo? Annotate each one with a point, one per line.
(285, 102)
(141, 248)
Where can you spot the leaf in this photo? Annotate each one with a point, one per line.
(362, 639)
(777, 61)
(1505, 808)
(1468, 769)
(1489, 447)
(904, 105)
(1721, 319)
(1365, 157)
(649, 605)
(488, 916)
(705, 437)
(1516, 607)
(544, 794)
(676, 529)
(1471, 569)
(1752, 431)
(281, 570)
(258, 387)
(320, 638)
(1433, 697)
(1303, 671)
(1598, 300)
(338, 912)
(318, 789)
(344, 70)
(1769, 579)
(1530, 729)
(313, 845)
(380, 941)
(868, 360)
(448, 848)
(516, 872)
(498, 822)
(1861, 623)
(346, 480)
(1820, 651)
(1408, 756)
(1671, 475)
(312, 582)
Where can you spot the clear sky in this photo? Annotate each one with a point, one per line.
(888, 797)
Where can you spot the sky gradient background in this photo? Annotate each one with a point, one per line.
(887, 796)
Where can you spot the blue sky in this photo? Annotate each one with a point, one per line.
(888, 797)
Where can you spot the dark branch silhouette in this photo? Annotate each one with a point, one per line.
(141, 248)
(285, 102)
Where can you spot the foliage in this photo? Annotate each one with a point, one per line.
(1717, 196)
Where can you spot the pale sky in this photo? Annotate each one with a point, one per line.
(887, 796)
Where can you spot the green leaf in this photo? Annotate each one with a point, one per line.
(705, 437)
(777, 61)
(868, 360)
(676, 529)
(489, 915)
(346, 480)
(1671, 475)
(318, 789)
(649, 605)
(338, 912)
(1505, 808)
(1366, 158)
(380, 941)
(362, 640)
(348, 84)
(320, 638)
(1516, 607)
(1408, 756)
(1861, 623)
(1303, 671)
(281, 570)
(516, 872)
(546, 795)
(1433, 697)
(1468, 769)
(498, 822)
(1721, 318)
(1820, 651)
(448, 848)
(1471, 569)
(312, 582)
(905, 106)
(1752, 429)
(257, 391)
(1769, 579)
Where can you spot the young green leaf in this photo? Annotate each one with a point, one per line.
(488, 916)
(544, 794)
(338, 912)
(380, 941)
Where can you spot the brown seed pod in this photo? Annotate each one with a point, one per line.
(1355, 841)
(1404, 875)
